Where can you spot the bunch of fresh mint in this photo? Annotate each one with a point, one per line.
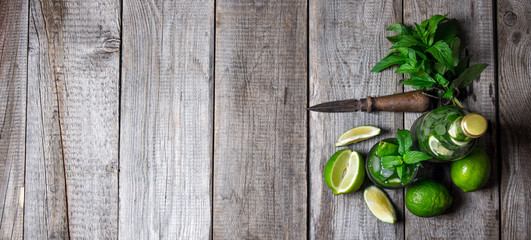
(406, 155)
(431, 54)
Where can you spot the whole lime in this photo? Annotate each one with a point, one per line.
(427, 198)
(471, 172)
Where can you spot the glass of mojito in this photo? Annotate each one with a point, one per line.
(383, 177)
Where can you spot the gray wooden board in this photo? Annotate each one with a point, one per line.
(347, 38)
(474, 214)
(73, 99)
(260, 186)
(514, 41)
(45, 214)
(13, 59)
(166, 120)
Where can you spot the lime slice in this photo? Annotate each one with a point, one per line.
(357, 134)
(453, 129)
(394, 180)
(379, 204)
(459, 143)
(344, 172)
(386, 149)
(437, 148)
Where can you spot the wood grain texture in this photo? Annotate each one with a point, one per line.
(166, 120)
(514, 58)
(473, 214)
(347, 38)
(72, 135)
(13, 61)
(260, 120)
(46, 207)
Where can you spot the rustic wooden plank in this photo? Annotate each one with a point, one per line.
(514, 39)
(473, 214)
(73, 120)
(260, 120)
(46, 207)
(347, 38)
(13, 80)
(166, 120)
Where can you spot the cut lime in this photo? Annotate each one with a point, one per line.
(437, 148)
(394, 180)
(379, 204)
(357, 134)
(344, 172)
(459, 143)
(453, 129)
(386, 148)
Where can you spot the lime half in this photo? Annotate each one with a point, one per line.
(357, 134)
(344, 172)
(379, 204)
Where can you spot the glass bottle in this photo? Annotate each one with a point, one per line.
(447, 133)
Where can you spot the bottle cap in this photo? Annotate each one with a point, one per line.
(474, 125)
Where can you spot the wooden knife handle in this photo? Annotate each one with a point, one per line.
(414, 101)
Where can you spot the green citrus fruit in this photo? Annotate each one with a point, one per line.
(357, 134)
(379, 204)
(427, 198)
(387, 147)
(344, 172)
(471, 172)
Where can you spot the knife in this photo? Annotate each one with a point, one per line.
(414, 101)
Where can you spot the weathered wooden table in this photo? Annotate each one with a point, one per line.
(187, 119)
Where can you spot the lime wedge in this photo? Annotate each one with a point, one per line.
(386, 149)
(357, 134)
(379, 204)
(437, 148)
(344, 172)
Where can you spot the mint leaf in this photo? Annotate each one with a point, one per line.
(455, 46)
(407, 41)
(442, 52)
(441, 80)
(400, 170)
(421, 32)
(407, 68)
(389, 61)
(393, 39)
(390, 162)
(439, 68)
(399, 28)
(404, 141)
(412, 157)
(468, 76)
(462, 65)
(420, 81)
(449, 93)
(432, 27)
(446, 31)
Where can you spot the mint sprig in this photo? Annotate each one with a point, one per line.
(431, 53)
(406, 157)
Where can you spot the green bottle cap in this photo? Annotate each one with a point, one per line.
(474, 125)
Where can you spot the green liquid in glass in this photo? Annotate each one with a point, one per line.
(387, 178)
